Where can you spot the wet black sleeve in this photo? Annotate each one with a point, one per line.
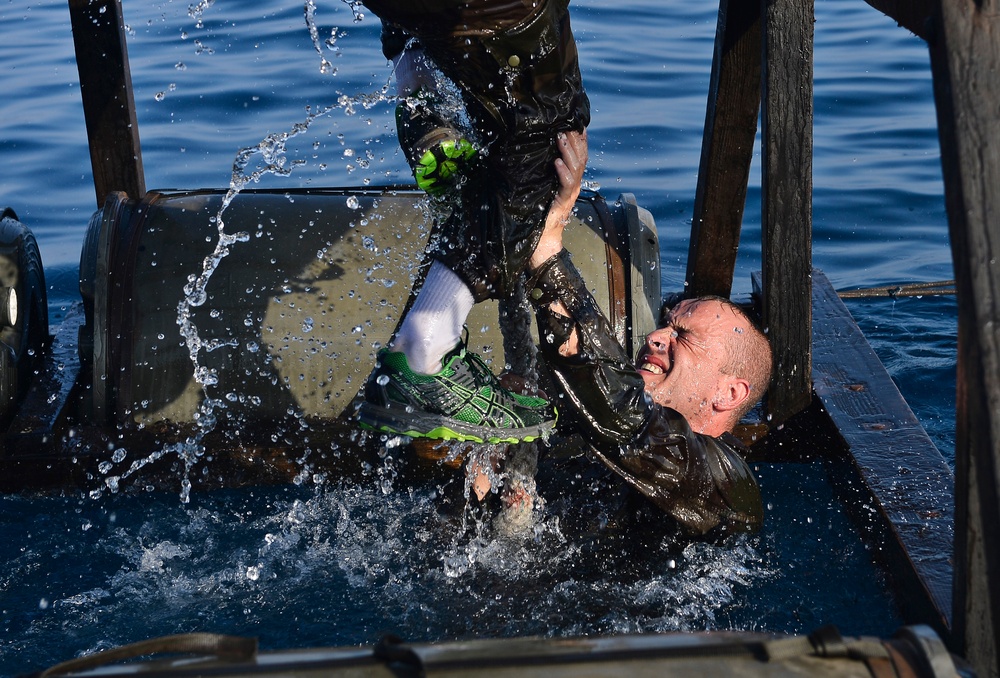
(702, 482)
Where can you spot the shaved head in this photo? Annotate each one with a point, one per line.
(709, 361)
(748, 356)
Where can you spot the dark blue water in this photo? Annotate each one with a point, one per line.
(341, 564)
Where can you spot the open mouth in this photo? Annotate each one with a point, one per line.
(647, 366)
(652, 364)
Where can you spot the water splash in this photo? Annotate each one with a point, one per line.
(325, 67)
(357, 9)
(197, 11)
(346, 562)
(251, 164)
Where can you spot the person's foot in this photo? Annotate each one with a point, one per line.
(516, 516)
(464, 401)
(437, 152)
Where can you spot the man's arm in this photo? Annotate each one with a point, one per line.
(569, 168)
(588, 364)
(603, 386)
(701, 481)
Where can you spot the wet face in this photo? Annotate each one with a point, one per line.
(681, 363)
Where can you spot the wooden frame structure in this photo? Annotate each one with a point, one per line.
(108, 103)
(763, 60)
(763, 64)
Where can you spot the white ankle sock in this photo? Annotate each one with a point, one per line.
(413, 71)
(434, 324)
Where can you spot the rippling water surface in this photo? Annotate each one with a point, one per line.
(343, 563)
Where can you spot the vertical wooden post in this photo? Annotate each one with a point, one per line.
(108, 104)
(786, 202)
(726, 149)
(965, 59)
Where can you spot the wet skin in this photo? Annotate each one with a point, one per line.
(681, 364)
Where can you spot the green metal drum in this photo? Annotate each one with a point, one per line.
(296, 307)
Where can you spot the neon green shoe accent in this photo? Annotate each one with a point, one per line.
(464, 401)
(439, 164)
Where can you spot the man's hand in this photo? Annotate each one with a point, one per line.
(569, 169)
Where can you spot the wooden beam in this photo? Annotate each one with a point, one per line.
(965, 60)
(895, 472)
(786, 199)
(108, 104)
(726, 149)
(913, 15)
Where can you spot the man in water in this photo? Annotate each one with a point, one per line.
(663, 423)
(516, 68)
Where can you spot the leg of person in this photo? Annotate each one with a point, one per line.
(428, 385)
(463, 400)
(433, 325)
(517, 67)
(428, 116)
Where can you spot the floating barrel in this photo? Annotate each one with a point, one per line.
(24, 311)
(298, 307)
(912, 651)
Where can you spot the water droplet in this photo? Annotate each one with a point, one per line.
(353, 203)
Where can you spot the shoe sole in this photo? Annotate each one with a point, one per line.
(435, 175)
(386, 420)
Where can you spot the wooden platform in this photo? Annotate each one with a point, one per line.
(891, 477)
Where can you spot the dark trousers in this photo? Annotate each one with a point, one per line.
(517, 68)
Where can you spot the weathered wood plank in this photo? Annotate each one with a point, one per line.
(905, 483)
(913, 15)
(726, 150)
(965, 60)
(786, 198)
(108, 104)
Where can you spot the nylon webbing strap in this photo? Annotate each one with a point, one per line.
(227, 648)
(618, 268)
(786, 648)
(825, 642)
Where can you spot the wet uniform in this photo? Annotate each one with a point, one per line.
(701, 482)
(515, 62)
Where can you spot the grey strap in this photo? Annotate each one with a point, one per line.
(228, 648)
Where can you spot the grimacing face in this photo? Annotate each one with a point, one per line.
(681, 363)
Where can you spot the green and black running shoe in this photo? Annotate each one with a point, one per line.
(464, 401)
(437, 152)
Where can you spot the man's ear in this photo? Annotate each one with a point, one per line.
(732, 394)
